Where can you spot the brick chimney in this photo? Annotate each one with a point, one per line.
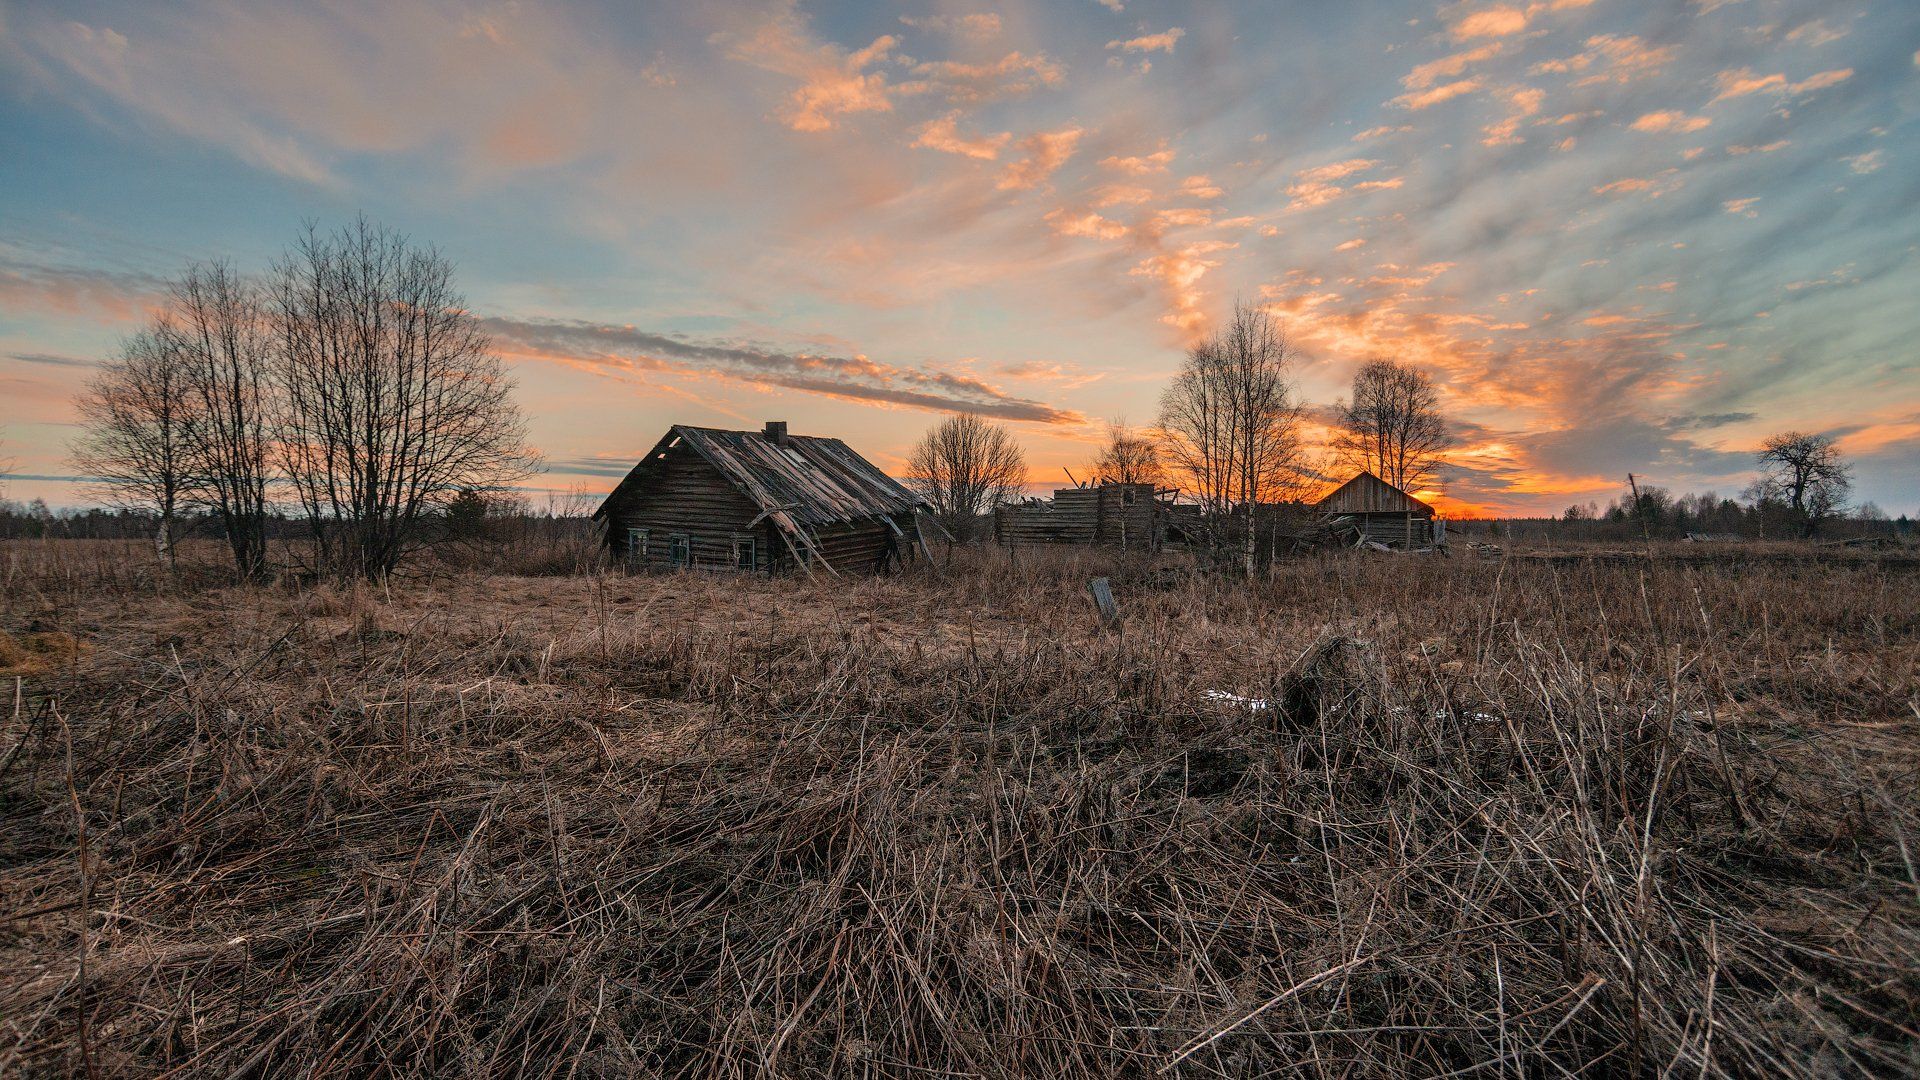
(776, 432)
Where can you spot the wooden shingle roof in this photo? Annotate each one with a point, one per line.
(798, 480)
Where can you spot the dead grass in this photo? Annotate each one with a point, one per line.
(1456, 816)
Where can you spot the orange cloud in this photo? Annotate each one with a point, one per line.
(943, 134)
(1179, 273)
(1506, 20)
(1522, 102)
(1200, 187)
(1742, 81)
(1163, 41)
(1335, 170)
(1186, 216)
(1445, 92)
(1144, 163)
(1045, 152)
(1490, 22)
(836, 83)
(1314, 187)
(1089, 224)
(1013, 74)
(1621, 58)
(1448, 66)
(1670, 120)
(1651, 187)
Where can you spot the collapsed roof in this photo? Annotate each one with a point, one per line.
(798, 481)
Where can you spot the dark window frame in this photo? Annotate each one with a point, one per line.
(679, 549)
(751, 543)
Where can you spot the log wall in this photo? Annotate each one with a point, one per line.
(682, 493)
(1101, 515)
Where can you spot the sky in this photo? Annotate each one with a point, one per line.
(1621, 237)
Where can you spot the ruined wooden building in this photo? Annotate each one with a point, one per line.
(760, 500)
(1128, 516)
(1379, 513)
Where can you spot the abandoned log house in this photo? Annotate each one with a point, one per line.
(1382, 513)
(759, 500)
(1126, 516)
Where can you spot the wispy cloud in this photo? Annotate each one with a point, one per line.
(624, 351)
(1044, 152)
(1743, 81)
(1140, 163)
(1164, 41)
(1671, 120)
(1426, 99)
(943, 134)
(1871, 161)
(977, 26)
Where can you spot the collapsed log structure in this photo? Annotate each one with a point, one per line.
(1126, 516)
(760, 501)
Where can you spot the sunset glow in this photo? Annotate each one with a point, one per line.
(1620, 236)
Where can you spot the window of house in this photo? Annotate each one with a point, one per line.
(680, 550)
(1126, 496)
(746, 550)
(636, 543)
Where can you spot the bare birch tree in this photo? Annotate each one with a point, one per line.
(392, 399)
(1128, 458)
(1232, 421)
(215, 324)
(966, 467)
(135, 446)
(1392, 426)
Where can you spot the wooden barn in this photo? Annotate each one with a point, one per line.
(1117, 515)
(1383, 513)
(759, 500)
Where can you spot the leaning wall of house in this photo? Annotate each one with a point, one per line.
(856, 549)
(683, 512)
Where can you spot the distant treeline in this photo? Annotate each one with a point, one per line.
(470, 517)
(1660, 515)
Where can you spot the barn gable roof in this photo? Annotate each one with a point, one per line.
(1368, 494)
(803, 481)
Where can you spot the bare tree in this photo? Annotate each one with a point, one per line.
(392, 399)
(1392, 426)
(136, 445)
(1128, 458)
(214, 322)
(1232, 420)
(1807, 473)
(966, 467)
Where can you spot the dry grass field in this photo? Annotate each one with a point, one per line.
(1372, 816)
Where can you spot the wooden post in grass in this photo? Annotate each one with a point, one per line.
(1103, 600)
